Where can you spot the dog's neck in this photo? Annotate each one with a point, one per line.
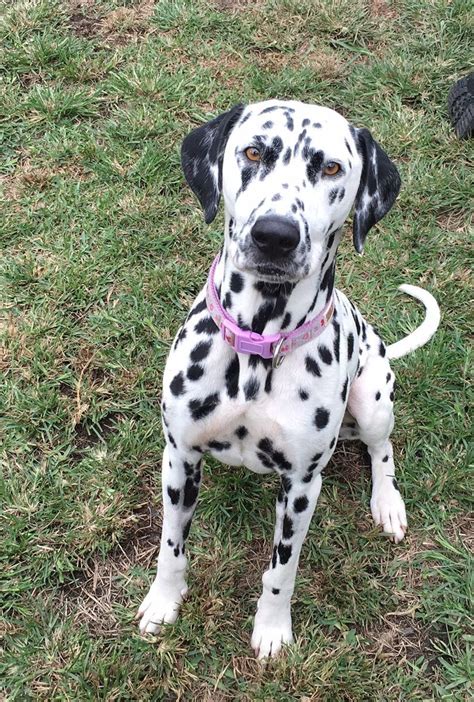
(268, 308)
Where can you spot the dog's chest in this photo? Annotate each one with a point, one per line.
(277, 424)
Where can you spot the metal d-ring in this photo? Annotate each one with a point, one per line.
(278, 356)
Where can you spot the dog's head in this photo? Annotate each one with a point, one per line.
(290, 174)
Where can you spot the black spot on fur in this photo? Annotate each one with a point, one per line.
(171, 440)
(241, 432)
(266, 445)
(317, 457)
(303, 394)
(206, 325)
(177, 384)
(382, 349)
(333, 442)
(348, 147)
(275, 591)
(276, 197)
(389, 377)
(251, 389)
(170, 543)
(344, 390)
(330, 241)
(284, 553)
(236, 282)
(274, 557)
(188, 468)
(219, 445)
(200, 351)
(392, 396)
(281, 461)
(173, 495)
(202, 408)
(181, 335)
(300, 504)
(190, 493)
(385, 459)
(286, 483)
(321, 418)
(227, 301)
(264, 460)
(198, 308)
(395, 484)
(332, 195)
(186, 529)
(337, 339)
(176, 551)
(267, 125)
(195, 371)
(287, 157)
(325, 354)
(247, 174)
(312, 366)
(328, 278)
(350, 346)
(313, 169)
(287, 527)
(232, 377)
(286, 320)
(378, 395)
(268, 381)
(341, 194)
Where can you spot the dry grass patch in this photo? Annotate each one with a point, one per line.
(323, 61)
(128, 22)
(38, 178)
(101, 585)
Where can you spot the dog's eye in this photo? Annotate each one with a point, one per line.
(331, 168)
(252, 153)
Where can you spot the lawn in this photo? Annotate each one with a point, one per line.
(103, 251)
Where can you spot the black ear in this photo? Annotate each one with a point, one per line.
(378, 188)
(202, 154)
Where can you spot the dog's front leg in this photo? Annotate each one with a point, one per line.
(181, 478)
(295, 506)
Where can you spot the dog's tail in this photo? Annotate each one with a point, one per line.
(427, 328)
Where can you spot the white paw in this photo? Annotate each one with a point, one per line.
(160, 606)
(269, 637)
(388, 510)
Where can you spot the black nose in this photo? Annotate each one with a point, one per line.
(275, 236)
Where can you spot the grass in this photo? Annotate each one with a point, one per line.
(103, 251)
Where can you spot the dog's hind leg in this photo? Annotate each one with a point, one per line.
(181, 478)
(371, 404)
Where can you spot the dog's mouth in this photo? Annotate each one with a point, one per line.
(273, 273)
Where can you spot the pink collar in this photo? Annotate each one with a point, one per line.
(275, 346)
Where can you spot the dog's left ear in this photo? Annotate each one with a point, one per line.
(202, 154)
(378, 188)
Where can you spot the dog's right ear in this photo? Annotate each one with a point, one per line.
(202, 154)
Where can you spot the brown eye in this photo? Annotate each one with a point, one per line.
(252, 153)
(331, 168)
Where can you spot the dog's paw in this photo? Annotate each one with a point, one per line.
(160, 606)
(388, 510)
(269, 637)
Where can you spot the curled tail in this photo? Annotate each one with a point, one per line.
(427, 328)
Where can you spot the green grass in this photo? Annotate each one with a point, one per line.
(103, 251)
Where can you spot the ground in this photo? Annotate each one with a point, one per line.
(104, 249)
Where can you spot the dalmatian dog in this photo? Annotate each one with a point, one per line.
(273, 364)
